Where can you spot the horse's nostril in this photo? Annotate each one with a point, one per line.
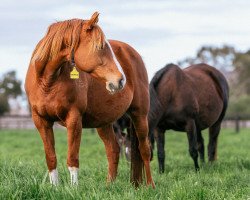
(121, 83)
(111, 86)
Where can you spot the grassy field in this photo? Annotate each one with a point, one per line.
(23, 170)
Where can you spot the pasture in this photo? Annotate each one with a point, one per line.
(23, 170)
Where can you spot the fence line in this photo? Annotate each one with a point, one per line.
(25, 122)
(18, 122)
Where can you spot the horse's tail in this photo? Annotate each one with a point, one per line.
(137, 166)
(225, 96)
(223, 89)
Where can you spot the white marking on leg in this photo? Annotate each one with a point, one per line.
(119, 67)
(126, 150)
(53, 177)
(73, 175)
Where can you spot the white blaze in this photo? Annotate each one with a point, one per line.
(53, 177)
(119, 67)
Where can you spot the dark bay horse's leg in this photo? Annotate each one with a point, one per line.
(200, 142)
(46, 132)
(213, 138)
(141, 128)
(112, 148)
(74, 129)
(160, 139)
(192, 140)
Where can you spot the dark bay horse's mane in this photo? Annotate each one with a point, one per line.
(65, 34)
(155, 105)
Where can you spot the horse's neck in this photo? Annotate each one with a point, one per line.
(50, 71)
(156, 109)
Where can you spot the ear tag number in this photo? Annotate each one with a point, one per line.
(74, 74)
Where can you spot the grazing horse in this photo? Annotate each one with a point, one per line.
(80, 79)
(189, 100)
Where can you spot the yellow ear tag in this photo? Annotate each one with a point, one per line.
(74, 74)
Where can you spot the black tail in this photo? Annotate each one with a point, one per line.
(223, 90)
(222, 82)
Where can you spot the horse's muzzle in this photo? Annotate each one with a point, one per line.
(113, 88)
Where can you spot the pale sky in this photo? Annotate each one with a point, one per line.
(161, 31)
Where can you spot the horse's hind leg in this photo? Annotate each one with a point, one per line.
(213, 138)
(112, 148)
(141, 129)
(160, 139)
(192, 140)
(46, 132)
(74, 129)
(200, 142)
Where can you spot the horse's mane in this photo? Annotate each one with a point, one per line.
(65, 34)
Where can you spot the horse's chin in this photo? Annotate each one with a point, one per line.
(112, 92)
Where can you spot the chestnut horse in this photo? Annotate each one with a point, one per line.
(189, 100)
(112, 80)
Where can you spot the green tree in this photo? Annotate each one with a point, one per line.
(219, 57)
(4, 105)
(242, 66)
(10, 87)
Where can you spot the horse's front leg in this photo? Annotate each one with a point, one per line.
(112, 148)
(46, 131)
(74, 129)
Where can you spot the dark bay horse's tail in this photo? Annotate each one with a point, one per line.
(155, 105)
(137, 165)
(223, 90)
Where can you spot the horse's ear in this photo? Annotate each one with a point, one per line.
(93, 21)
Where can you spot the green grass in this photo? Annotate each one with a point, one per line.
(23, 172)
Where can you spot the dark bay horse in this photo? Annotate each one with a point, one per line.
(188, 100)
(78, 78)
